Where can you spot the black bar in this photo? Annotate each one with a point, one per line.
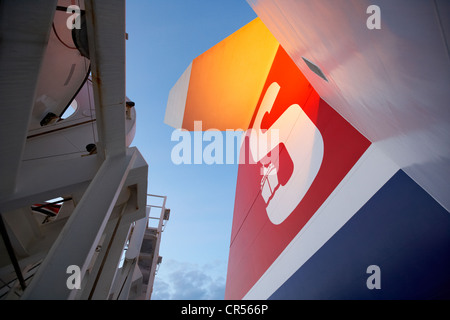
(61, 8)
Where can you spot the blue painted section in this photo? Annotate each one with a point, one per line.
(403, 230)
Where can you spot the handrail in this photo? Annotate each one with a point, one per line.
(158, 241)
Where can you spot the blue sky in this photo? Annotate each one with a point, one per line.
(164, 37)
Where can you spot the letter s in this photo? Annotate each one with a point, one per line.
(304, 145)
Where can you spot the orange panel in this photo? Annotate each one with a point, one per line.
(226, 81)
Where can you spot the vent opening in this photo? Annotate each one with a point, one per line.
(314, 68)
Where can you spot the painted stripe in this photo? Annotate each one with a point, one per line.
(368, 175)
(402, 230)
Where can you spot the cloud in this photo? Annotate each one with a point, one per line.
(187, 281)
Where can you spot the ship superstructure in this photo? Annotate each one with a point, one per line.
(73, 193)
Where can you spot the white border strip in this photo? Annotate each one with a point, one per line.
(176, 103)
(366, 177)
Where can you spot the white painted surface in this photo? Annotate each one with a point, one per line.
(392, 84)
(176, 102)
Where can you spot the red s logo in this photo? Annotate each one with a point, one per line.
(299, 153)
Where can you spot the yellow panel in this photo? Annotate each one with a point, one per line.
(226, 81)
